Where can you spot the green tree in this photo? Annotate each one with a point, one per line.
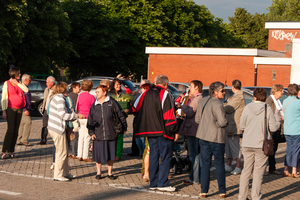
(110, 36)
(284, 10)
(44, 46)
(13, 17)
(249, 28)
(103, 44)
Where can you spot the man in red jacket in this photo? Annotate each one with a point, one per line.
(155, 119)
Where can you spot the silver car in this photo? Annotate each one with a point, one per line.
(126, 85)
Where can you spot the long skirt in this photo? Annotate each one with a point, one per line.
(104, 150)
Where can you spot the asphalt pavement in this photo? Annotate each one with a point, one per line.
(29, 177)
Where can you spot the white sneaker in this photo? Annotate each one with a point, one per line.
(153, 188)
(70, 176)
(228, 168)
(61, 179)
(166, 189)
(236, 171)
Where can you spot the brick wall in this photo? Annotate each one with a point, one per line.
(278, 38)
(264, 75)
(185, 68)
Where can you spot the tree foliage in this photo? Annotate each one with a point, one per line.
(284, 10)
(110, 37)
(44, 45)
(13, 17)
(249, 28)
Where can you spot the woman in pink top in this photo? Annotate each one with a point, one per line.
(13, 102)
(84, 103)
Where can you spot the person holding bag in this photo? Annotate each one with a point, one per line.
(59, 114)
(211, 118)
(102, 128)
(253, 124)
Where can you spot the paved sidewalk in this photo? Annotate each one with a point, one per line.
(29, 177)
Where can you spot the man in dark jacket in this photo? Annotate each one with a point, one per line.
(25, 125)
(155, 119)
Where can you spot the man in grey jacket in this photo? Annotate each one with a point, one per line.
(210, 116)
(233, 109)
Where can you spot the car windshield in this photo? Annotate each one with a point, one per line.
(34, 86)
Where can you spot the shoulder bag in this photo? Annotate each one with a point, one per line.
(267, 144)
(117, 122)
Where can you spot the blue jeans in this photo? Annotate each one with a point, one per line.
(140, 142)
(194, 156)
(163, 148)
(207, 149)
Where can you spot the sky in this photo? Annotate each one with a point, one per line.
(225, 8)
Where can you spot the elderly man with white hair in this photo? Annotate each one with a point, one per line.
(50, 82)
(25, 125)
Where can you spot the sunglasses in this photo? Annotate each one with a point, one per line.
(222, 91)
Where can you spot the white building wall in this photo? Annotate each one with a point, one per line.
(295, 68)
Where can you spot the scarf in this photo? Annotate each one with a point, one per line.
(278, 105)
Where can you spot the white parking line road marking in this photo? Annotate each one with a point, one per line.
(9, 193)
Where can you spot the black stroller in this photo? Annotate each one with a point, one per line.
(180, 162)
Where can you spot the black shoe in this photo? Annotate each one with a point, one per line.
(98, 177)
(112, 177)
(41, 143)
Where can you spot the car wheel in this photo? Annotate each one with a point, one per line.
(39, 108)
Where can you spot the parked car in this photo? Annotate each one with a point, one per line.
(268, 89)
(175, 93)
(182, 87)
(126, 85)
(37, 87)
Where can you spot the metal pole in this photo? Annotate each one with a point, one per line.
(255, 75)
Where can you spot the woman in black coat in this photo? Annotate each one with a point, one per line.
(102, 129)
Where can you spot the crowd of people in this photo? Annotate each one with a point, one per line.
(78, 121)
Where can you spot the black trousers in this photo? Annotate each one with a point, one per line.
(271, 159)
(14, 117)
(44, 133)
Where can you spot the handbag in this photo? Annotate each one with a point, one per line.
(69, 133)
(117, 122)
(267, 144)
